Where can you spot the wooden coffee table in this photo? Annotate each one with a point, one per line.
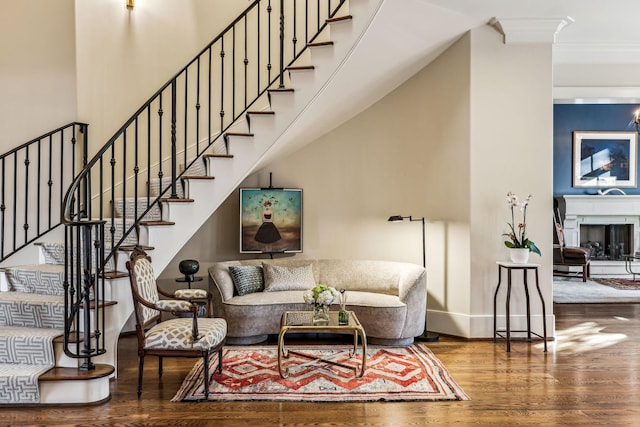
(302, 321)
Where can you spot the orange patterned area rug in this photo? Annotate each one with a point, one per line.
(250, 373)
(622, 284)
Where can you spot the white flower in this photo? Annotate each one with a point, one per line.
(308, 296)
(321, 295)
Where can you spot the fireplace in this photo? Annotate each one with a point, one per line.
(609, 242)
(609, 224)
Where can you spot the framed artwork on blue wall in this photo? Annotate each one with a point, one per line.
(270, 220)
(605, 159)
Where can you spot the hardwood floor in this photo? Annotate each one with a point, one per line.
(590, 376)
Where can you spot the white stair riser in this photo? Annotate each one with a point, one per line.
(76, 392)
(62, 360)
(116, 317)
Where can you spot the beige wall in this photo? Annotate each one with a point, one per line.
(125, 55)
(448, 145)
(94, 61)
(37, 69)
(408, 154)
(511, 148)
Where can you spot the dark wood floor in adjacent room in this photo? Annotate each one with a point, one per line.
(590, 376)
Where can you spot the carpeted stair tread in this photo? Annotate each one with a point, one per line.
(25, 354)
(35, 298)
(120, 227)
(196, 169)
(53, 252)
(45, 279)
(126, 208)
(154, 188)
(24, 331)
(31, 310)
(19, 382)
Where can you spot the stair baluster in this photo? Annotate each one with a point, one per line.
(221, 78)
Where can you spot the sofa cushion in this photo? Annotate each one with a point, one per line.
(260, 313)
(247, 279)
(281, 278)
(355, 298)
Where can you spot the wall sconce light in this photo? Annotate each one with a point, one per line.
(426, 336)
(636, 120)
(130, 3)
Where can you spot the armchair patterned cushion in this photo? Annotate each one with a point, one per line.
(178, 337)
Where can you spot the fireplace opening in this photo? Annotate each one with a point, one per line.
(607, 241)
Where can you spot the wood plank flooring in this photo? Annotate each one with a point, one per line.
(589, 377)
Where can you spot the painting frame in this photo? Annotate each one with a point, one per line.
(605, 159)
(271, 220)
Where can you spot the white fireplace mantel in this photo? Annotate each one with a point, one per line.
(597, 209)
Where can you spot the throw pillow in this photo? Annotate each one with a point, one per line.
(280, 278)
(247, 279)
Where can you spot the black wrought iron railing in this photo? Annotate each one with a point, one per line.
(188, 116)
(34, 178)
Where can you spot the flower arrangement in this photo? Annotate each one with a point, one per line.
(517, 235)
(321, 295)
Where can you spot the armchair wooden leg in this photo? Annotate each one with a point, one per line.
(585, 272)
(220, 361)
(205, 363)
(160, 366)
(140, 370)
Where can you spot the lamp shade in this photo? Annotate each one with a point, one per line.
(395, 218)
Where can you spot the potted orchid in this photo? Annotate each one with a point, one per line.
(321, 296)
(517, 234)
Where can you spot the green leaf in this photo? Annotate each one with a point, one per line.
(533, 248)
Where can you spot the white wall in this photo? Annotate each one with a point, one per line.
(37, 69)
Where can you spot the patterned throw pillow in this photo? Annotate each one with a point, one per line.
(247, 278)
(279, 278)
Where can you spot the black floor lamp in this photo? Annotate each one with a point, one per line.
(426, 336)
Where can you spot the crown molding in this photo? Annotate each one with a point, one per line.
(596, 53)
(596, 95)
(529, 30)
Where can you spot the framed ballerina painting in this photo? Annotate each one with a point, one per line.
(270, 220)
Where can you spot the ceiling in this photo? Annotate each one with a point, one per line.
(403, 36)
(596, 57)
(595, 21)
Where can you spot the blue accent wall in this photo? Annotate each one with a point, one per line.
(584, 117)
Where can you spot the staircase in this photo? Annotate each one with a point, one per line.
(125, 197)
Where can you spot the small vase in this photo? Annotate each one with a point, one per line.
(321, 315)
(519, 255)
(343, 314)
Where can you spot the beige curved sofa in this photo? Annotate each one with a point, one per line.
(388, 297)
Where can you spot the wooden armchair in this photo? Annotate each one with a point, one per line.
(178, 337)
(568, 256)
